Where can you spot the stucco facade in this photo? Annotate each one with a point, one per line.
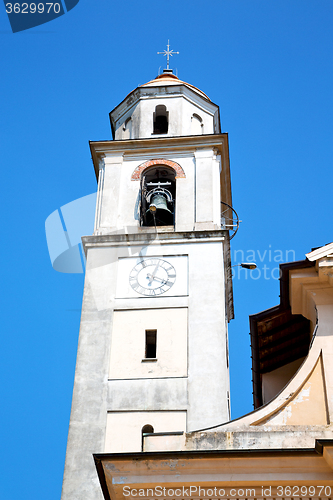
(161, 286)
(151, 393)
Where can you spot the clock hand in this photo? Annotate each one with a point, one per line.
(152, 276)
(156, 267)
(160, 279)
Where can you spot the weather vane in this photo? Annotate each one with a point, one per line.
(168, 53)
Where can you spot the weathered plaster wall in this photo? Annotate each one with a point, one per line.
(307, 406)
(127, 360)
(149, 394)
(255, 438)
(123, 430)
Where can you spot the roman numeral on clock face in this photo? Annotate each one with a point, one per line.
(152, 276)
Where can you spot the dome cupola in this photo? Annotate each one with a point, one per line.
(165, 107)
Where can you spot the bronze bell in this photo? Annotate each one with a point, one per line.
(158, 213)
(158, 202)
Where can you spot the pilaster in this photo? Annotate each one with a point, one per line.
(111, 183)
(204, 189)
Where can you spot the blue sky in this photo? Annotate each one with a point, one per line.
(267, 64)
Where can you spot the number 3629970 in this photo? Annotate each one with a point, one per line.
(33, 8)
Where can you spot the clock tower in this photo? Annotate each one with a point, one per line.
(153, 345)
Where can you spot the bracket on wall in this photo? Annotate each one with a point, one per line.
(229, 219)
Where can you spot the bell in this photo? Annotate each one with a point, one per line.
(158, 207)
(158, 202)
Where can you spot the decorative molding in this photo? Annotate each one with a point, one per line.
(321, 252)
(167, 163)
(133, 156)
(100, 190)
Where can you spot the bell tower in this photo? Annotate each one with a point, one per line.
(153, 345)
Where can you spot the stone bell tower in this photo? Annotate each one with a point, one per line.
(153, 345)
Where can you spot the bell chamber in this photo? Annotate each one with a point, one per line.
(158, 193)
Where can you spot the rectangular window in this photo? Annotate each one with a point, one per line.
(150, 351)
(228, 401)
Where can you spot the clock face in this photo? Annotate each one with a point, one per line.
(152, 276)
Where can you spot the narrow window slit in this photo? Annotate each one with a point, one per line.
(150, 351)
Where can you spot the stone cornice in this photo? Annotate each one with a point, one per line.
(156, 146)
(152, 238)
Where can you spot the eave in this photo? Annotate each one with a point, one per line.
(208, 469)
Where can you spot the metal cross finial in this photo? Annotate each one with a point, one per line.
(168, 53)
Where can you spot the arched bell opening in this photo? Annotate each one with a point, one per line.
(146, 429)
(158, 196)
(161, 120)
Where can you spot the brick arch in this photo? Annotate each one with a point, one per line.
(167, 163)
